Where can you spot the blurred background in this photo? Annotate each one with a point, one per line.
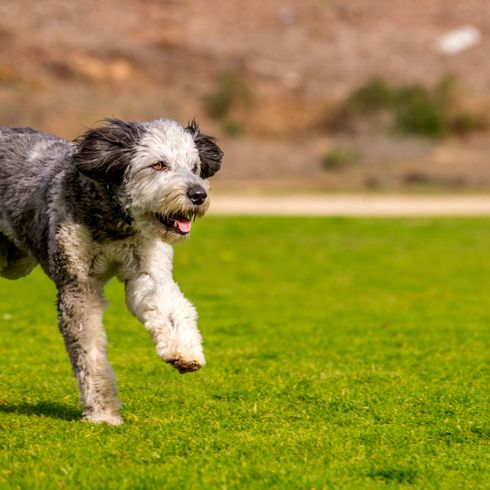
(310, 95)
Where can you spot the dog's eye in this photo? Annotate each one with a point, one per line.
(194, 169)
(159, 166)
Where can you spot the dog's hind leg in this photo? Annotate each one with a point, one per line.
(14, 263)
(80, 310)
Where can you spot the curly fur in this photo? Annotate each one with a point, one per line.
(109, 204)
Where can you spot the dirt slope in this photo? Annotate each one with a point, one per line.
(67, 64)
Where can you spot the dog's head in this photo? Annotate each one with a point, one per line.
(157, 170)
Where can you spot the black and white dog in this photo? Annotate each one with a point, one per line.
(109, 204)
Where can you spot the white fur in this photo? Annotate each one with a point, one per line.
(155, 299)
(146, 192)
(168, 141)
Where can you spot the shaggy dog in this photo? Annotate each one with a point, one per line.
(109, 204)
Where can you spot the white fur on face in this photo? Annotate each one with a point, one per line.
(167, 141)
(149, 191)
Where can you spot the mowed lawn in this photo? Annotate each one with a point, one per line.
(342, 353)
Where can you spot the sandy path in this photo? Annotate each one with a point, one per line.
(352, 205)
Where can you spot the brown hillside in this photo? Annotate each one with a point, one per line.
(278, 69)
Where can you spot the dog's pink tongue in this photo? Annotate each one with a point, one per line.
(184, 226)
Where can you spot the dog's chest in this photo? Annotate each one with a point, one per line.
(110, 258)
(86, 257)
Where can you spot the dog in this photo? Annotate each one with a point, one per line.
(110, 203)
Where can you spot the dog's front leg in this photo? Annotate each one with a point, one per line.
(169, 317)
(80, 309)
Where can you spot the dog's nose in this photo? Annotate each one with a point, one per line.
(197, 194)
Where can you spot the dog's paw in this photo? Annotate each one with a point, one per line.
(184, 358)
(103, 418)
(186, 366)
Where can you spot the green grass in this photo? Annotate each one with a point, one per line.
(342, 353)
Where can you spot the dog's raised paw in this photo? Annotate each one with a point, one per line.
(184, 366)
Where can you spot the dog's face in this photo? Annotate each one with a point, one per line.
(159, 170)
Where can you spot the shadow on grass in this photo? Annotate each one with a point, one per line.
(42, 409)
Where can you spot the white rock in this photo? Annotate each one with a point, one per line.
(457, 40)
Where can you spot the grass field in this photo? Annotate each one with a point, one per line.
(342, 353)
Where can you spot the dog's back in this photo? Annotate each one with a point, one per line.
(26, 156)
(28, 162)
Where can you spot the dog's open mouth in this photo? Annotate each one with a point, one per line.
(177, 223)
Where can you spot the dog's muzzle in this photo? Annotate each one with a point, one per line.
(181, 222)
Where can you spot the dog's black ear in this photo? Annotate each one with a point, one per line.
(209, 152)
(103, 154)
